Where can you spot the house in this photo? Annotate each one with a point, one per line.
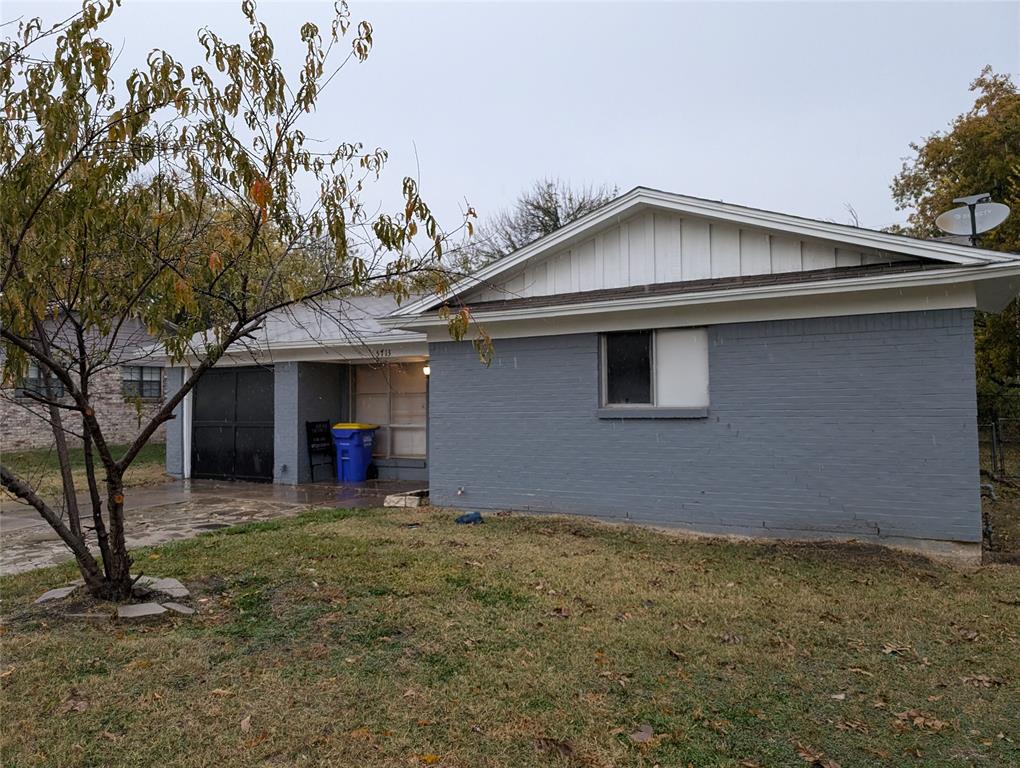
(125, 392)
(665, 360)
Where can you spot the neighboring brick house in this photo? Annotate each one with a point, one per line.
(122, 395)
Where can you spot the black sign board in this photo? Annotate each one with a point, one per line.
(320, 436)
(320, 445)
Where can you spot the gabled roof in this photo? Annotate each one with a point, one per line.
(641, 198)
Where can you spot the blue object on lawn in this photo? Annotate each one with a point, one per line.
(353, 450)
(469, 518)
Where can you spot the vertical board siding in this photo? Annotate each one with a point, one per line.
(755, 253)
(859, 426)
(661, 247)
(725, 251)
(668, 259)
(818, 255)
(696, 247)
(786, 255)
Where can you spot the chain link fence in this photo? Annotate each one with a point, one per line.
(999, 442)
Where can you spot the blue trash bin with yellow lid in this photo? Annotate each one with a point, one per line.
(354, 442)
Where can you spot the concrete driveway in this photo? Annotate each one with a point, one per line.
(179, 510)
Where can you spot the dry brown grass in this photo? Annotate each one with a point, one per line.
(358, 639)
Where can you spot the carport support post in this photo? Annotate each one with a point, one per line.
(287, 439)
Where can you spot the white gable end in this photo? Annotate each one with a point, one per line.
(656, 246)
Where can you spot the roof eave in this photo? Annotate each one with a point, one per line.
(945, 277)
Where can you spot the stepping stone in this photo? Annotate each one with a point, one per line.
(139, 611)
(408, 499)
(171, 587)
(179, 608)
(56, 594)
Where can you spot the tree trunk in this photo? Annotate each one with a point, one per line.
(118, 570)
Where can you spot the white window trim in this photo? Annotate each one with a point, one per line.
(389, 427)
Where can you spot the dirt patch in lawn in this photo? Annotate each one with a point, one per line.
(356, 638)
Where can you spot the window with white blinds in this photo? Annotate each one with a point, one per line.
(393, 396)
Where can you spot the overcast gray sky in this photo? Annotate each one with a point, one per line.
(794, 107)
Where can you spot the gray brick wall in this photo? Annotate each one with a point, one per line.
(860, 426)
(304, 392)
(174, 379)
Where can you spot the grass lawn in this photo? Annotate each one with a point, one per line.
(40, 467)
(356, 638)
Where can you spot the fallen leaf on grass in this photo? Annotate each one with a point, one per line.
(560, 613)
(981, 681)
(919, 720)
(643, 734)
(429, 758)
(554, 746)
(860, 671)
(7, 672)
(852, 725)
(246, 724)
(221, 692)
(729, 639)
(362, 734)
(255, 740)
(815, 757)
(895, 649)
(74, 702)
(838, 696)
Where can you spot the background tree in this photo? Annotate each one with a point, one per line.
(171, 199)
(980, 152)
(547, 206)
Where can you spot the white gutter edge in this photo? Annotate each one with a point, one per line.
(784, 290)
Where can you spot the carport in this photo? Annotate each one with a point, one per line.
(247, 417)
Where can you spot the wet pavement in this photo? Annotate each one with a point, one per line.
(180, 510)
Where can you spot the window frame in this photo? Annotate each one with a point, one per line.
(607, 410)
(604, 369)
(386, 431)
(139, 392)
(36, 385)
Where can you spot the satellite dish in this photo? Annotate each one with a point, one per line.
(977, 214)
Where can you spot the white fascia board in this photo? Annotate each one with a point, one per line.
(897, 281)
(725, 310)
(396, 347)
(642, 197)
(973, 287)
